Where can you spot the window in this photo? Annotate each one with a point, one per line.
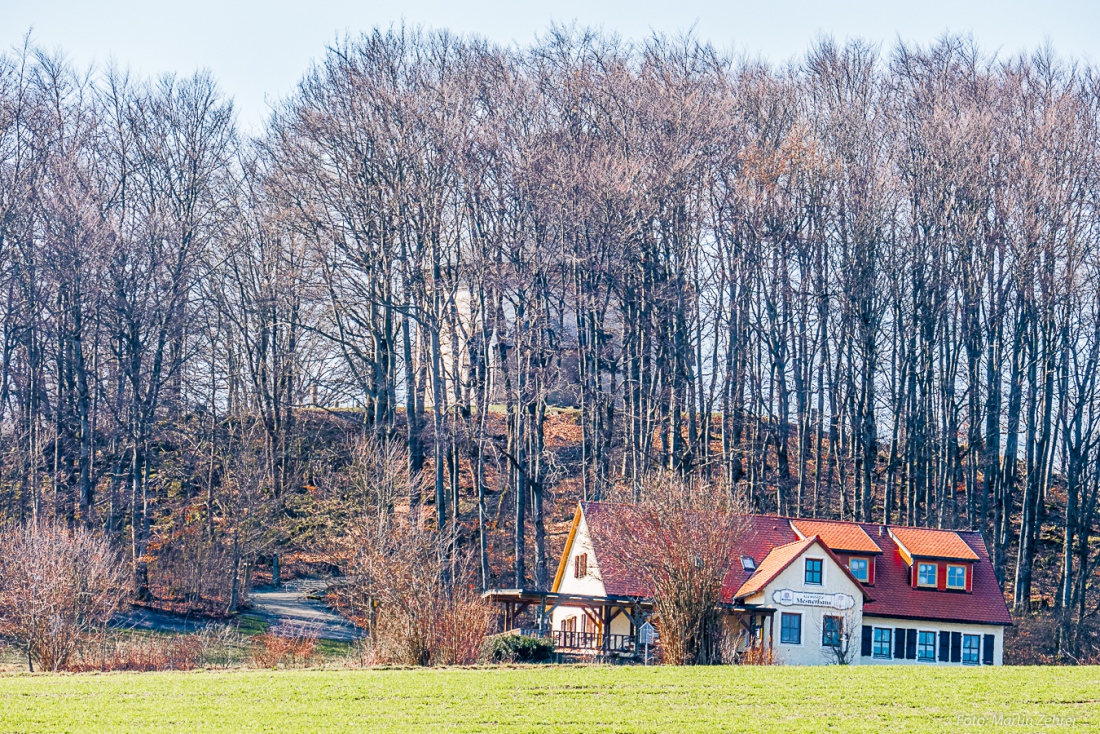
(748, 564)
(956, 577)
(926, 646)
(813, 571)
(831, 630)
(926, 574)
(972, 646)
(859, 569)
(580, 566)
(790, 629)
(883, 638)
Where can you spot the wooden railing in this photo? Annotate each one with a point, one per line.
(570, 640)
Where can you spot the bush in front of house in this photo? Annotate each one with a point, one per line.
(512, 648)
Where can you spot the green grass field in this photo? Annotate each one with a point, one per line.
(560, 698)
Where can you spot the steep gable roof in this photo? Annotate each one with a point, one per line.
(602, 523)
(774, 564)
(780, 558)
(839, 536)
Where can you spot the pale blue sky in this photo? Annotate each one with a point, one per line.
(258, 50)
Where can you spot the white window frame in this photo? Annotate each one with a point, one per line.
(962, 586)
(977, 655)
(889, 643)
(935, 648)
(867, 565)
(805, 561)
(801, 631)
(935, 574)
(748, 563)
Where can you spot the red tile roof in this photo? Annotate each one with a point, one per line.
(617, 581)
(839, 536)
(928, 543)
(894, 595)
(759, 534)
(891, 596)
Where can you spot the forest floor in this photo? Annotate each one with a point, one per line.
(560, 698)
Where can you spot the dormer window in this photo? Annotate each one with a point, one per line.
(748, 564)
(814, 568)
(956, 577)
(580, 566)
(926, 574)
(860, 569)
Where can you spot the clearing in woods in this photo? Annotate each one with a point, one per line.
(560, 698)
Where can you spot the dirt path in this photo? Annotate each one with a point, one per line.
(287, 609)
(290, 611)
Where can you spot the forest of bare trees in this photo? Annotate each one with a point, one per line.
(864, 285)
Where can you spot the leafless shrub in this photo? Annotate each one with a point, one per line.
(138, 652)
(757, 655)
(272, 650)
(58, 587)
(419, 607)
(678, 540)
(214, 646)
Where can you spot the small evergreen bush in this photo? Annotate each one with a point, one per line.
(512, 648)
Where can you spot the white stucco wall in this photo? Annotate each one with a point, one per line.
(996, 630)
(834, 581)
(590, 585)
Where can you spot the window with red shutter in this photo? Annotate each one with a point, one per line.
(580, 566)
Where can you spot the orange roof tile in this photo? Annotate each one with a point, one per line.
(839, 536)
(781, 557)
(772, 565)
(928, 543)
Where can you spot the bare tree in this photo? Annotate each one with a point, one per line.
(679, 540)
(57, 587)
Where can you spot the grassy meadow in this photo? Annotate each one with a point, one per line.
(559, 698)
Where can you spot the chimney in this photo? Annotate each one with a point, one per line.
(882, 531)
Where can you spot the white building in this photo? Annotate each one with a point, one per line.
(808, 592)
